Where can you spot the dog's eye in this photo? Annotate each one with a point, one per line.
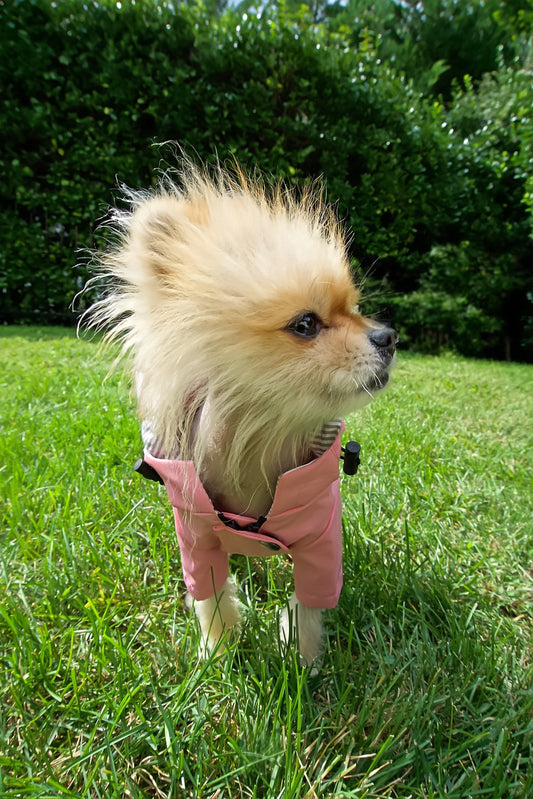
(305, 325)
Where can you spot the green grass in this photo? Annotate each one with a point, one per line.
(426, 684)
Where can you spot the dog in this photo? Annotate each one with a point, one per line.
(236, 300)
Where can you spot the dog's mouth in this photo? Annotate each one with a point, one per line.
(377, 382)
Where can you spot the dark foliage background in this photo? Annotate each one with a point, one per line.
(428, 152)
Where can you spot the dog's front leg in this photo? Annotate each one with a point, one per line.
(217, 615)
(303, 625)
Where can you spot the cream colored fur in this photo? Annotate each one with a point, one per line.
(218, 616)
(303, 626)
(204, 279)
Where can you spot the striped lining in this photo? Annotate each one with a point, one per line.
(318, 445)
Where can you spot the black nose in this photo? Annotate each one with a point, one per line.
(384, 338)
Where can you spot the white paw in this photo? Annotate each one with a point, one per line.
(303, 626)
(217, 615)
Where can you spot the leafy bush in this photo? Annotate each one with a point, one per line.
(434, 320)
(84, 86)
(90, 87)
(458, 302)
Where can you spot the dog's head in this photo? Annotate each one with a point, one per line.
(243, 295)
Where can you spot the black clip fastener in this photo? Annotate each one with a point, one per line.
(351, 457)
(252, 527)
(145, 470)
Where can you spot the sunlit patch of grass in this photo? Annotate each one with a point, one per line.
(425, 687)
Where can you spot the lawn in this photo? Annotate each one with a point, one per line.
(425, 689)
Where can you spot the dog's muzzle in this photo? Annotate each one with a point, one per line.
(384, 339)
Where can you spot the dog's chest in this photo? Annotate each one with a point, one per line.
(254, 502)
(256, 491)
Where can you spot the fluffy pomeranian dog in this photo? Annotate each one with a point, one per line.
(235, 299)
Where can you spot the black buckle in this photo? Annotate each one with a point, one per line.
(253, 527)
(145, 470)
(351, 457)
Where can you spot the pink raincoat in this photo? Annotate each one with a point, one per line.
(304, 522)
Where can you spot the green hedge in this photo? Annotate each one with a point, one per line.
(436, 207)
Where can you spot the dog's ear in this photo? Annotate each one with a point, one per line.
(159, 229)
